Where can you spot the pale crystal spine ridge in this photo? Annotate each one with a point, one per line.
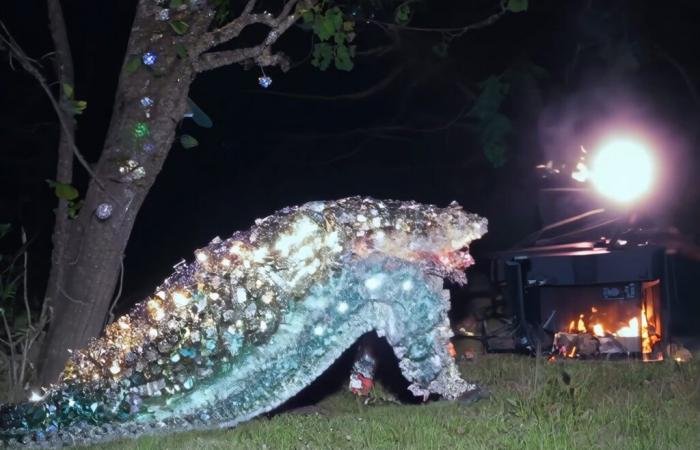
(257, 317)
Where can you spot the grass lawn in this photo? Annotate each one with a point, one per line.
(533, 405)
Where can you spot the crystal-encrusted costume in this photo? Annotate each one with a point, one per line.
(257, 317)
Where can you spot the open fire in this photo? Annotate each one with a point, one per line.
(610, 331)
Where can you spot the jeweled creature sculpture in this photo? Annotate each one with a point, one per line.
(257, 317)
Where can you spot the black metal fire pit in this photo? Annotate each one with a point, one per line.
(589, 299)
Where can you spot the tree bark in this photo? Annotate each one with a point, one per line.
(64, 164)
(88, 272)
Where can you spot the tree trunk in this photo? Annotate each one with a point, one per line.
(64, 163)
(88, 272)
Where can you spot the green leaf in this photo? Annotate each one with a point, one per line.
(179, 26)
(67, 91)
(494, 133)
(181, 51)
(132, 65)
(222, 10)
(326, 25)
(308, 17)
(335, 15)
(517, 6)
(188, 141)
(200, 117)
(323, 28)
(402, 15)
(4, 229)
(74, 207)
(343, 60)
(322, 56)
(78, 106)
(339, 37)
(493, 92)
(63, 190)
(174, 4)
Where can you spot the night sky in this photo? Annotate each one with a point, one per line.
(600, 64)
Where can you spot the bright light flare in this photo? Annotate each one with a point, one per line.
(622, 170)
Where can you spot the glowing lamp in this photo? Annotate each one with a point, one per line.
(622, 170)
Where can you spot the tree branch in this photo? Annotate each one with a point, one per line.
(209, 61)
(380, 85)
(8, 44)
(453, 32)
(232, 29)
(261, 53)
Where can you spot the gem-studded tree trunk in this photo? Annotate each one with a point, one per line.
(134, 152)
(167, 48)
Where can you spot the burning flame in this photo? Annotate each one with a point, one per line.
(598, 330)
(631, 330)
(638, 326)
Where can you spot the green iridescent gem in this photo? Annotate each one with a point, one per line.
(141, 130)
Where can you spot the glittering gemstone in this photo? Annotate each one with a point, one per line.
(141, 130)
(163, 14)
(115, 369)
(241, 295)
(146, 102)
(180, 299)
(250, 310)
(104, 211)
(131, 170)
(149, 147)
(149, 58)
(164, 346)
(188, 352)
(264, 81)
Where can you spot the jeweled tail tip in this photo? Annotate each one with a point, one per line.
(255, 318)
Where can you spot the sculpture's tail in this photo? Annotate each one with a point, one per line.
(50, 418)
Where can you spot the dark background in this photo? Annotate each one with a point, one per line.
(601, 65)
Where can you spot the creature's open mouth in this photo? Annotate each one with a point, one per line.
(458, 260)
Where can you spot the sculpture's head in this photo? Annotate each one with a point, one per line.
(437, 238)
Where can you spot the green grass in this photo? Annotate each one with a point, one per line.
(610, 405)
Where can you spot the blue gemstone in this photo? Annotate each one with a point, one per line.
(146, 102)
(188, 352)
(265, 81)
(149, 147)
(149, 58)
